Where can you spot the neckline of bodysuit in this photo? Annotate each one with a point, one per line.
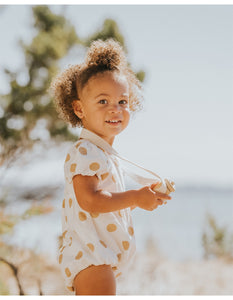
(97, 140)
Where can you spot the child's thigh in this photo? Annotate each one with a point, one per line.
(95, 280)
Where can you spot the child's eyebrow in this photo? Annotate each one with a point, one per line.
(101, 95)
(122, 95)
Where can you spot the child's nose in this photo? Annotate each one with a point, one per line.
(115, 108)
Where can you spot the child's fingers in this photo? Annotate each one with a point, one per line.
(153, 185)
(162, 196)
(160, 202)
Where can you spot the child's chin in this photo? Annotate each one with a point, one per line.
(116, 131)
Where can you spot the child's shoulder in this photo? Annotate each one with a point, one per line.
(87, 159)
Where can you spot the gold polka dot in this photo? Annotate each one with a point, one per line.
(125, 245)
(67, 271)
(130, 230)
(119, 274)
(94, 215)
(82, 150)
(119, 257)
(82, 216)
(77, 145)
(70, 202)
(103, 243)
(64, 233)
(119, 213)
(73, 167)
(111, 227)
(113, 179)
(105, 175)
(94, 166)
(60, 258)
(70, 241)
(67, 157)
(91, 246)
(63, 203)
(114, 268)
(79, 255)
(70, 288)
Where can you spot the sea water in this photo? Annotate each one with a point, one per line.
(177, 227)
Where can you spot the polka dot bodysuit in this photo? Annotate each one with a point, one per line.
(91, 238)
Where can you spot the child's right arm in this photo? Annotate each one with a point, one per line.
(93, 200)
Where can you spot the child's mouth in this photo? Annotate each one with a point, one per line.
(113, 122)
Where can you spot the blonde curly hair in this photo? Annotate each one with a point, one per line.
(101, 56)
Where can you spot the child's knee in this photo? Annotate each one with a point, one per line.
(95, 280)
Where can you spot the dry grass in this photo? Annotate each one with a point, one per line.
(149, 274)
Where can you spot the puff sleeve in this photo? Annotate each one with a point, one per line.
(87, 159)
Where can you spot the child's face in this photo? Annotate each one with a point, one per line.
(104, 105)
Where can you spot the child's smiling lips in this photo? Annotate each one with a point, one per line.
(114, 122)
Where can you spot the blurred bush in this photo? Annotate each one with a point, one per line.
(8, 221)
(3, 289)
(8, 255)
(217, 241)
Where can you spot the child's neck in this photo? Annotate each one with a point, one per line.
(107, 140)
(96, 139)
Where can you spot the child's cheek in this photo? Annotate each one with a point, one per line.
(127, 117)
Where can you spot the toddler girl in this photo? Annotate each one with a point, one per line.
(98, 234)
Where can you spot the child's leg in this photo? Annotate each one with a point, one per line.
(95, 280)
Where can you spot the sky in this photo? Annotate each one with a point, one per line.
(186, 127)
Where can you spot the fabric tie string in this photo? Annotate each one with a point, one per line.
(98, 141)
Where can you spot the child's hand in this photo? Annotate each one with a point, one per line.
(148, 199)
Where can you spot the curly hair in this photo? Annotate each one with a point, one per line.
(101, 56)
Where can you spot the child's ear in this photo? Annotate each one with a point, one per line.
(78, 108)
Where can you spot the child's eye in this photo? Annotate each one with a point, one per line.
(103, 101)
(123, 102)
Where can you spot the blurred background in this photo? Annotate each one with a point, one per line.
(183, 56)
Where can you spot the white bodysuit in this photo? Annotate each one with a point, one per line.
(91, 238)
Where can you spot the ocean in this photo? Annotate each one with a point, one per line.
(177, 227)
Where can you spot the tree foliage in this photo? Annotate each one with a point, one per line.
(108, 30)
(29, 105)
